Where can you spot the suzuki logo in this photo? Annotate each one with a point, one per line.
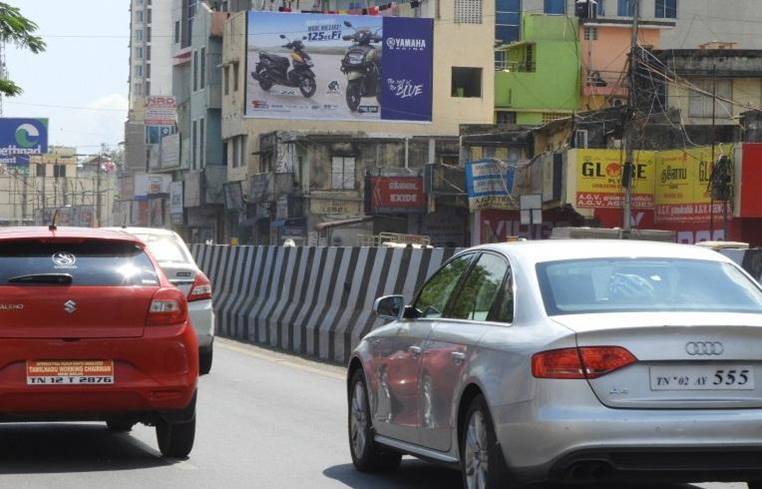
(695, 348)
(70, 306)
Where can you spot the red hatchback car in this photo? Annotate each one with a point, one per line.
(92, 330)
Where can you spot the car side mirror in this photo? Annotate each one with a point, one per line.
(389, 307)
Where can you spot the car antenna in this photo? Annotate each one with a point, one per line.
(53, 226)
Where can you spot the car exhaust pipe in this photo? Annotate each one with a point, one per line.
(590, 470)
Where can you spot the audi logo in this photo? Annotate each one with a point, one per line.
(695, 348)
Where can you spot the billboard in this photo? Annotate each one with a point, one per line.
(22, 138)
(599, 179)
(682, 186)
(151, 184)
(339, 67)
(397, 195)
(489, 184)
(160, 111)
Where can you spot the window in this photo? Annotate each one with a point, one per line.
(666, 9)
(226, 79)
(466, 82)
(148, 70)
(202, 143)
(138, 87)
(139, 34)
(139, 15)
(700, 105)
(148, 53)
(41, 170)
(195, 70)
(59, 171)
(139, 70)
(202, 75)
(591, 33)
(148, 88)
(625, 8)
(165, 248)
(97, 262)
(481, 292)
(235, 76)
(148, 34)
(148, 16)
(342, 173)
(645, 285)
(436, 293)
(177, 32)
(468, 11)
(555, 6)
(505, 117)
(580, 138)
(139, 53)
(194, 142)
(507, 20)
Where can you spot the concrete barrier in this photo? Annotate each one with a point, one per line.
(306, 300)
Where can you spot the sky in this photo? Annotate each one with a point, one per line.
(80, 81)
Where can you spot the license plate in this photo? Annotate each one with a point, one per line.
(702, 378)
(67, 372)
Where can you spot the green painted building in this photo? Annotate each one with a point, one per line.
(538, 78)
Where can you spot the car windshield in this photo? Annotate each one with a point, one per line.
(93, 262)
(164, 248)
(645, 285)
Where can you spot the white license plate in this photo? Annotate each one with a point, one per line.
(702, 378)
(67, 372)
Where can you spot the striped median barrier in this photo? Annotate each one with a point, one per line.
(313, 301)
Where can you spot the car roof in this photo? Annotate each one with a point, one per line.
(65, 232)
(149, 231)
(570, 249)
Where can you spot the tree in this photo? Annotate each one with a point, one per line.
(19, 30)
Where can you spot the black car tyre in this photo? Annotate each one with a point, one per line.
(119, 426)
(354, 95)
(205, 358)
(307, 86)
(176, 438)
(481, 459)
(367, 456)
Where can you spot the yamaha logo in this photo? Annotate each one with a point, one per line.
(704, 348)
(405, 44)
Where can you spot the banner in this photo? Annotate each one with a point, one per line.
(599, 179)
(151, 184)
(489, 184)
(339, 67)
(22, 138)
(160, 111)
(396, 195)
(176, 198)
(682, 181)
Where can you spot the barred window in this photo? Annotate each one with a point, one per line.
(468, 11)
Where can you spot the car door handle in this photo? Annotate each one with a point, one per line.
(458, 357)
(415, 350)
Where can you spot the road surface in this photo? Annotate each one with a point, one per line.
(265, 420)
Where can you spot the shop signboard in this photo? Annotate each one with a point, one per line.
(489, 184)
(599, 179)
(339, 67)
(397, 195)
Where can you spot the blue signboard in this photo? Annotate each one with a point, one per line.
(489, 184)
(339, 67)
(21, 139)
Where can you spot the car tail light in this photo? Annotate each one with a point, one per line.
(201, 289)
(588, 362)
(168, 307)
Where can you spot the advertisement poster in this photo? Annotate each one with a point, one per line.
(21, 139)
(339, 67)
(682, 186)
(161, 111)
(397, 195)
(599, 179)
(489, 184)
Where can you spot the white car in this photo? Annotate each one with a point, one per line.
(181, 269)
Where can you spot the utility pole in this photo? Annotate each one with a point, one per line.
(714, 142)
(98, 199)
(629, 142)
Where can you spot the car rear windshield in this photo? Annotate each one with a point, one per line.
(647, 285)
(92, 262)
(164, 248)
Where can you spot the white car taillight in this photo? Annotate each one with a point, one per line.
(202, 288)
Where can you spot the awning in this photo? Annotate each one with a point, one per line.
(344, 222)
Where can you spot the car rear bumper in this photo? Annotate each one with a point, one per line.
(202, 317)
(154, 374)
(551, 435)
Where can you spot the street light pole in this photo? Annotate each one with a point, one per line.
(628, 172)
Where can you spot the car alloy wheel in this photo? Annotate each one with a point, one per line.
(476, 452)
(358, 421)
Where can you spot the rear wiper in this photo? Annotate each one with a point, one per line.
(42, 278)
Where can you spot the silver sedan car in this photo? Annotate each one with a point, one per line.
(567, 361)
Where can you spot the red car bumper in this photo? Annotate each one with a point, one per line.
(153, 375)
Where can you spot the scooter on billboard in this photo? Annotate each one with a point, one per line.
(274, 70)
(362, 65)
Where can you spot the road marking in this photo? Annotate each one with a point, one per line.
(324, 370)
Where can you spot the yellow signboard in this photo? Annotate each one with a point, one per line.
(682, 180)
(599, 179)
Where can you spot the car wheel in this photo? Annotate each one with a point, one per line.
(205, 361)
(119, 426)
(481, 460)
(367, 456)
